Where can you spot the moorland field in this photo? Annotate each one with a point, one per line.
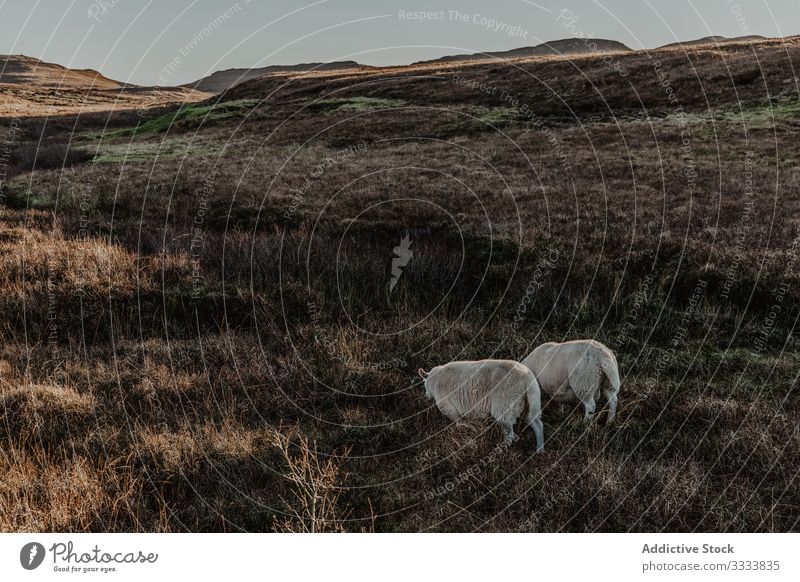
(199, 334)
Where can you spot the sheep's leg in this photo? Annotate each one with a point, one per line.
(611, 396)
(589, 407)
(538, 430)
(584, 380)
(508, 433)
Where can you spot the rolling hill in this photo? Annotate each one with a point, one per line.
(220, 81)
(32, 87)
(563, 88)
(715, 40)
(24, 70)
(562, 47)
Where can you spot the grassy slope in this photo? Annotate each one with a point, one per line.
(193, 333)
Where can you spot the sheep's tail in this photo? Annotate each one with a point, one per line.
(608, 363)
(533, 394)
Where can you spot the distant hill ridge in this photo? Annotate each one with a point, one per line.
(20, 73)
(715, 40)
(223, 80)
(31, 87)
(220, 81)
(565, 46)
(24, 70)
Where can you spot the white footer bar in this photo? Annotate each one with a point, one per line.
(378, 557)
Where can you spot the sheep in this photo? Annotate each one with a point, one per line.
(577, 369)
(496, 388)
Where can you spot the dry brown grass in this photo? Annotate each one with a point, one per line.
(32, 261)
(313, 506)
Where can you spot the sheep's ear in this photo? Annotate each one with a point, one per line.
(422, 373)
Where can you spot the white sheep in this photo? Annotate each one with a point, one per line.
(496, 388)
(577, 370)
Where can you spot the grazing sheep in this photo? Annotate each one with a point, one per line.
(496, 388)
(577, 369)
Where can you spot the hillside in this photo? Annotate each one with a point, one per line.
(31, 87)
(28, 71)
(223, 80)
(563, 47)
(715, 40)
(630, 83)
(220, 81)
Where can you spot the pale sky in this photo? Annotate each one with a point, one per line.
(170, 42)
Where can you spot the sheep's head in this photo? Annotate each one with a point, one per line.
(425, 375)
